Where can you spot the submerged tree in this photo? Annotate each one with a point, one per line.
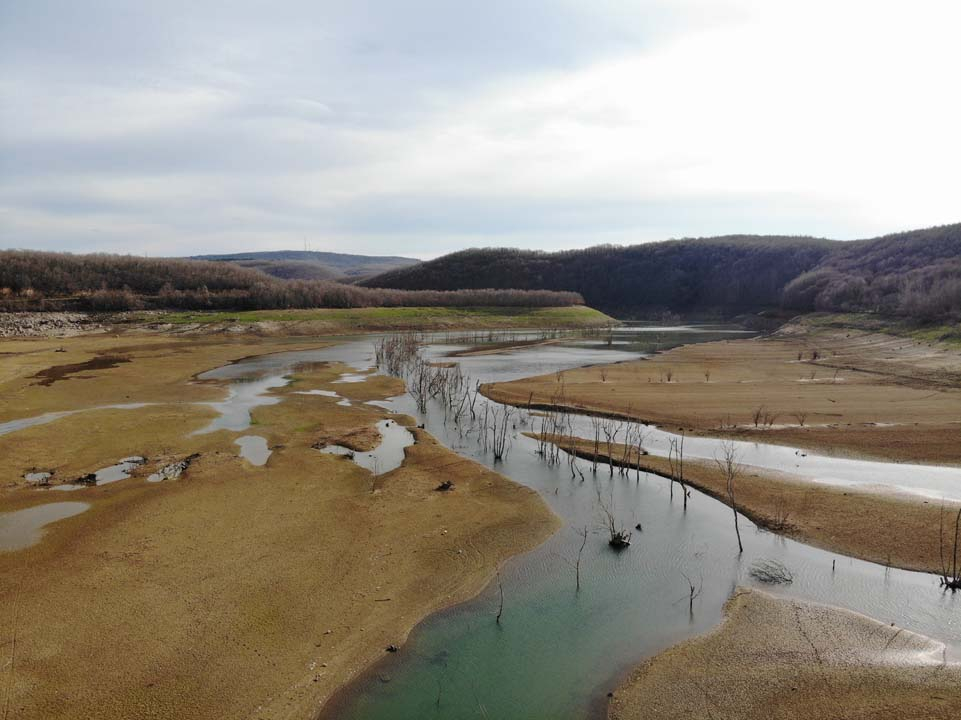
(950, 567)
(727, 462)
(620, 537)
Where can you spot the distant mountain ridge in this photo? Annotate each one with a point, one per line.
(912, 274)
(314, 265)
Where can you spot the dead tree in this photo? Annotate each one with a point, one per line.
(576, 562)
(596, 427)
(727, 463)
(500, 424)
(675, 459)
(611, 428)
(620, 538)
(693, 591)
(950, 567)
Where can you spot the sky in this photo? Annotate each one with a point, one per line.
(423, 127)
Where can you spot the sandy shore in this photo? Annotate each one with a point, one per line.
(234, 591)
(865, 395)
(774, 658)
(902, 404)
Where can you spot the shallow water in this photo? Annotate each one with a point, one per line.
(557, 652)
(24, 423)
(387, 456)
(23, 528)
(253, 449)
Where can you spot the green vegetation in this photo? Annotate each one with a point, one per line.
(948, 333)
(399, 317)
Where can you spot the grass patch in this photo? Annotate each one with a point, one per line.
(399, 317)
(948, 333)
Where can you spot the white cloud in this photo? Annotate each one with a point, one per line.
(836, 118)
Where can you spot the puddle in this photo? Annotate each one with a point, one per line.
(343, 402)
(24, 423)
(120, 471)
(243, 396)
(253, 449)
(105, 476)
(351, 378)
(23, 528)
(387, 456)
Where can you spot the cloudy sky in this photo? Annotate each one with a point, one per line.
(418, 127)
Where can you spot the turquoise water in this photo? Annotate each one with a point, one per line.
(557, 652)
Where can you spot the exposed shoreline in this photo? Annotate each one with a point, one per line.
(864, 395)
(780, 658)
(151, 567)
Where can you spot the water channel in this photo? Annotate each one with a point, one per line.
(557, 652)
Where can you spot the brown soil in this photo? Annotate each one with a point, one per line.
(234, 591)
(866, 394)
(889, 529)
(786, 659)
(61, 372)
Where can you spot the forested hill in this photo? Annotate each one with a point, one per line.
(914, 274)
(731, 273)
(32, 280)
(311, 265)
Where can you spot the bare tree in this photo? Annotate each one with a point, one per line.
(576, 562)
(596, 423)
(728, 464)
(675, 459)
(500, 423)
(620, 537)
(801, 416)
(950, 568)
(757, 415)
(693, 591)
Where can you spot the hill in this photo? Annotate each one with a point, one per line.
(309, 265)
(61, 281)
(734, 273)
(913, 274)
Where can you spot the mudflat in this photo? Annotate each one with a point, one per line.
(849, 393)
(857, 393)
(779, 658)
(234, 590)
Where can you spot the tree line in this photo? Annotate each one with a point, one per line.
(915, 274)
(730, 274)
(32, 280)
